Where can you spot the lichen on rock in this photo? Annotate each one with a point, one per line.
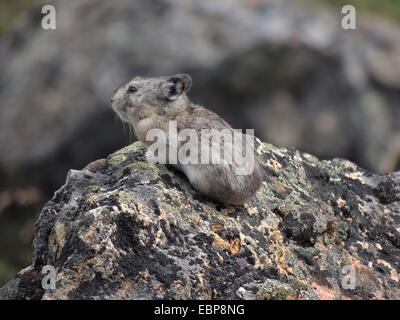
(122, 228)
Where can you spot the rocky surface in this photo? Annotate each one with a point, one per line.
(122, 228)
(285, 68)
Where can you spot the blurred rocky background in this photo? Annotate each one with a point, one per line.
(285, 68)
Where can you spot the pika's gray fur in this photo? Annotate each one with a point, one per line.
(148, 103)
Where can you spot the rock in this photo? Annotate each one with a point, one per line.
(285, 68)
(122, 228)
(26, 285)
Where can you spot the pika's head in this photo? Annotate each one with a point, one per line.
(144, 97)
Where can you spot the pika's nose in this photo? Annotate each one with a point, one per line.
(111, 100)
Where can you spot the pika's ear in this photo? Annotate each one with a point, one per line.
(175, 85)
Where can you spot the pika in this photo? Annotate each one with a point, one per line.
(152, 103)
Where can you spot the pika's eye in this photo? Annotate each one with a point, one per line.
(132, 89)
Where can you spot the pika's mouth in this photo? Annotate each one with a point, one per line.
(118, 108)
(121, 110)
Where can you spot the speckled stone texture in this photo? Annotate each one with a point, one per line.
(125, 229)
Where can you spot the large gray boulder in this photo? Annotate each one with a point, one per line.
(122, 228)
